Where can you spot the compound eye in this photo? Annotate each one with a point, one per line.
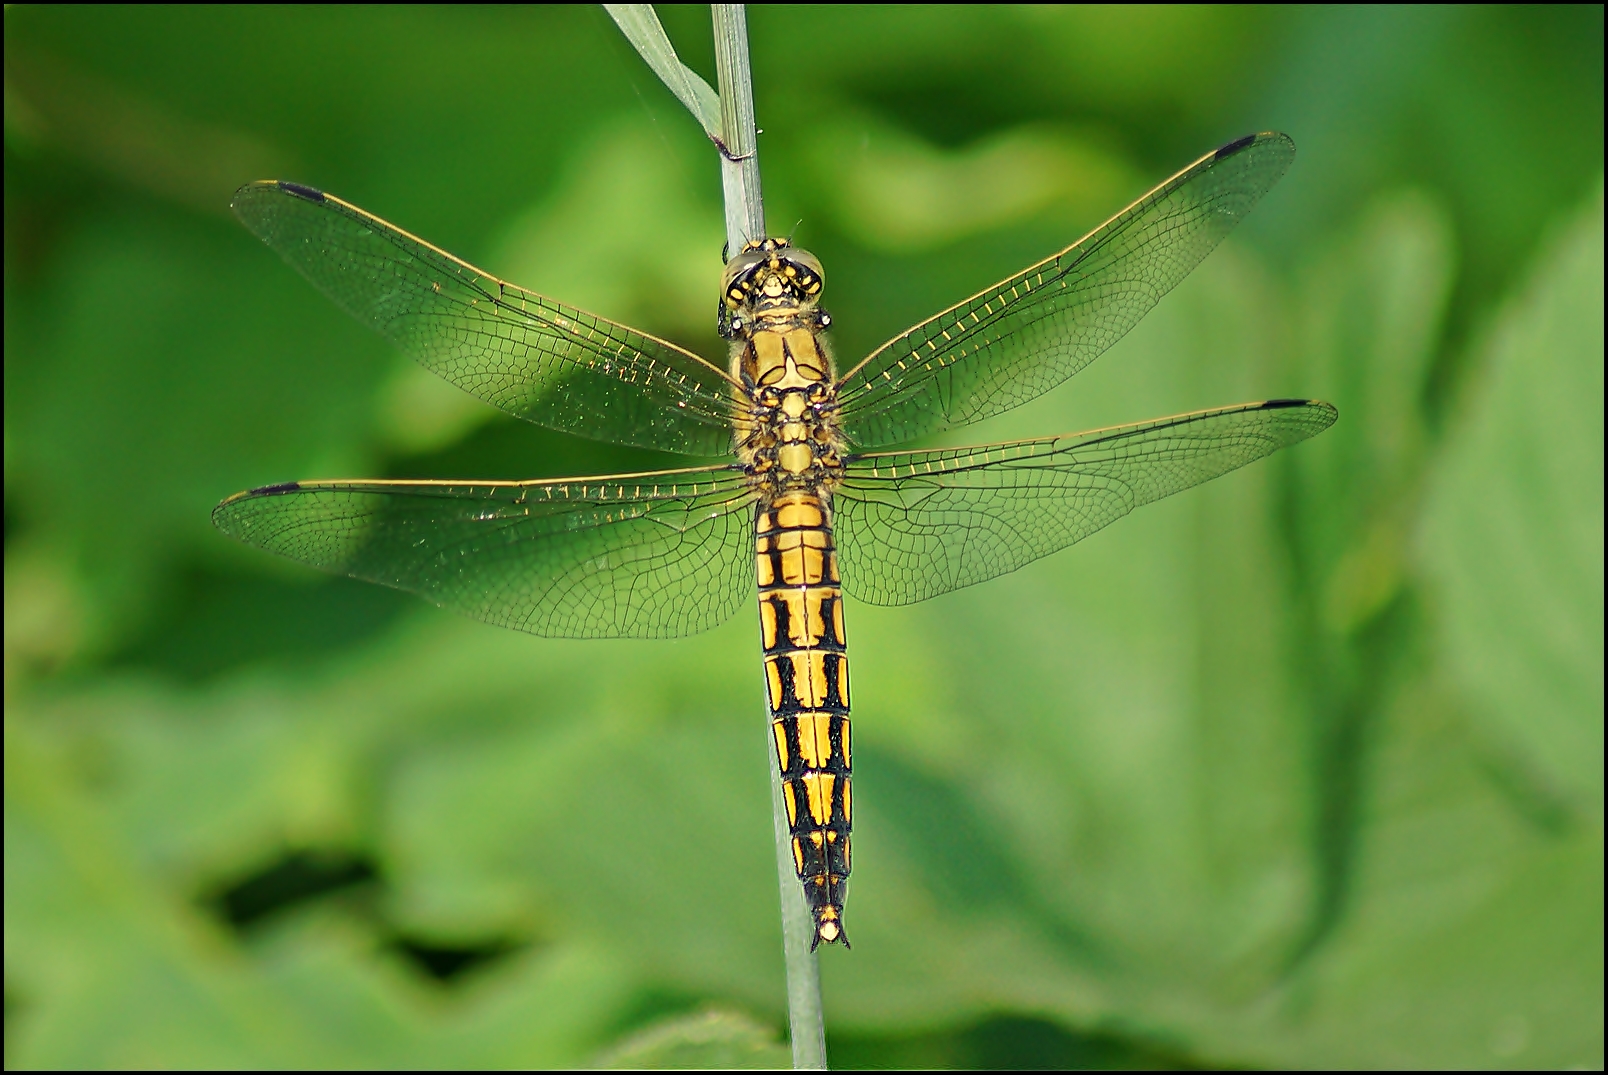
(811, 279)
(738, 269)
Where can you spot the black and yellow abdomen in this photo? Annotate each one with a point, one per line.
(807, 683)
(789, 445)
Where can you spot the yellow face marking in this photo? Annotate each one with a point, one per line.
(815, 739)
(780, 731)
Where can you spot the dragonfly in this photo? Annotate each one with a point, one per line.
(802, 501)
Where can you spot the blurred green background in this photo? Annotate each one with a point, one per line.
(1302, 768)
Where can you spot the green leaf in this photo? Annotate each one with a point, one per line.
(642, 28)
(709, 1040)
(1513, 536)
(1471, 928)
(1369, 328)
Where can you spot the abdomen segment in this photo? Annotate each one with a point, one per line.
(807, 684)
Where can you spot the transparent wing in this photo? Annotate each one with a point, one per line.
(630, 556)
(532, 357)
(913, 525)
(1029, 333)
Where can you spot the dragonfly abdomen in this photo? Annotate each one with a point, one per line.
(807, 684)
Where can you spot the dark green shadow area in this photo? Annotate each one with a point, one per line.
(293, 880)
(1002, 1042)
(967, 867)
(214, 622)
(506, 449)
(302, 878)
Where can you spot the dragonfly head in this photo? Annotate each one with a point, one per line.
(770, 273)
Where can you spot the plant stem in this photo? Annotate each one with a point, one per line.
(739, 162)
(806, 1024)
(745, 220)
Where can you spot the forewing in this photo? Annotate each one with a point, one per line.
(532, 357)
(631, 556)
(913, 525)
(1027, 334)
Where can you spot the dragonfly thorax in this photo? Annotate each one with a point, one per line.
(793, 438)
(789, 438)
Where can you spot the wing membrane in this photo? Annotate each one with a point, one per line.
(1029, 333)
(631, 556)
(532, 357)
(913, 525)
